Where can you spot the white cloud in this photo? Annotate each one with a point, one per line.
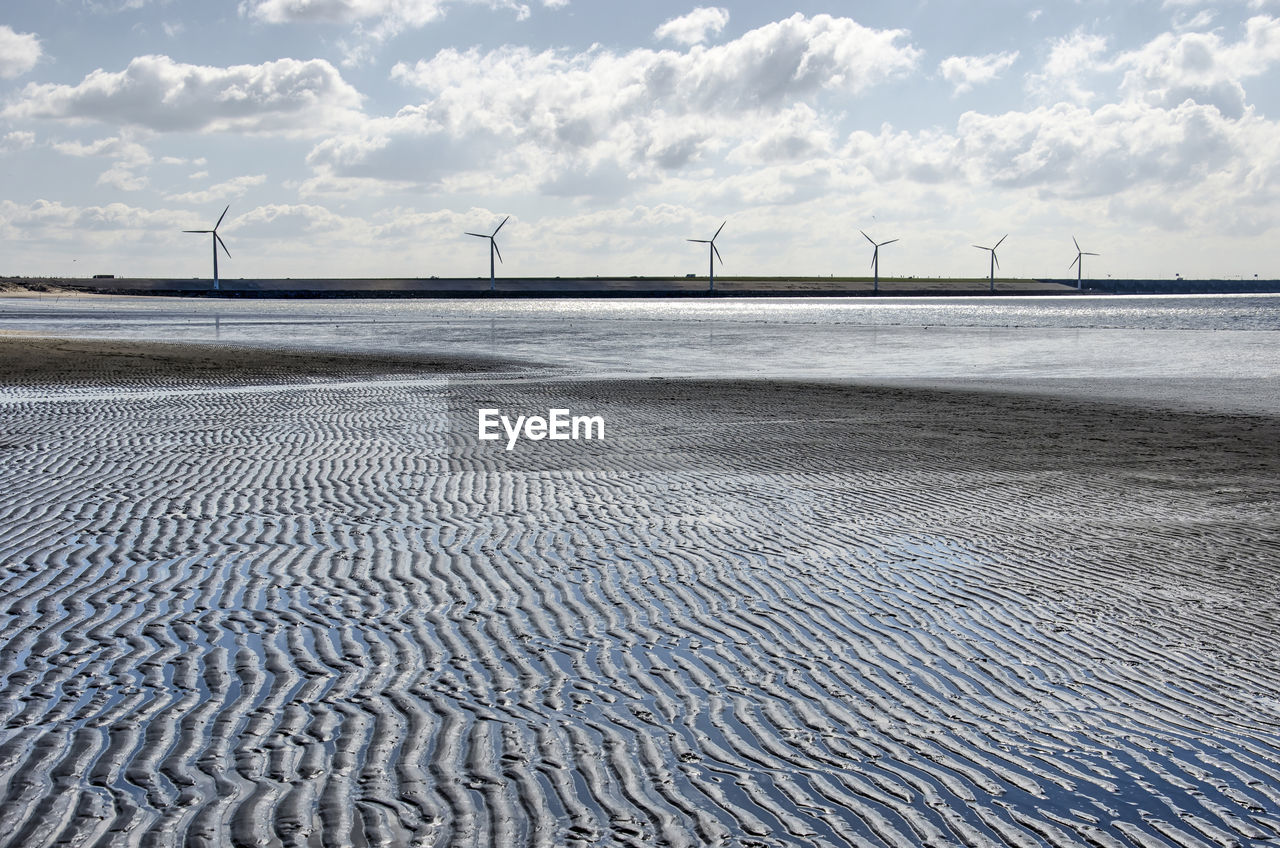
(1073, 151)
(567, 96)
(45, 218)
(695, 27)
(1071, 63)
(129, 156)
(122, 177)
(964, 72)
(1166, 71)
(129, 153)
(110, 8)
(372, 21)
(157, 93)
(284, 220)
(1200, 20)
(17, 140)
(19, 52)
(410, 12)
(1171, 69)
(797, 133)
(1201, 165)
(389, 17)
(230, 189)
(538, 118)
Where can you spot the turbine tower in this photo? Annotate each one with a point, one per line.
(1079, 263)
(217, 240)
(875, 257)
(493, 250)
(995, 263)
(713, 253)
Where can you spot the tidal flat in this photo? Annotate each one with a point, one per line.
(292, 599)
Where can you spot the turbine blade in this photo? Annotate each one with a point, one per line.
(698, 241)
(477, 235)
(995, 258)
(503, 224)
(716, 251)
(197, 231)
(717, 235)
(883, 243)
(980, 247)
(218, 239)
(1092, 254)
(220, 217)
(1073, 263)
(868, 238)
(495, 248)
(1002, 238)
(1076, 243)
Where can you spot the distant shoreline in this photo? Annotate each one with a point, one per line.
(618, 287)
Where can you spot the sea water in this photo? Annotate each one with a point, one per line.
(1217, 351)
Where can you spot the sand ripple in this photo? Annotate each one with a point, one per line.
(757, 615)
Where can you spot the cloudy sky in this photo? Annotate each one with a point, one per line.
(363, 137)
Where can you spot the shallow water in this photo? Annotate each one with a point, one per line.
(1205, 351)
(1128, 312)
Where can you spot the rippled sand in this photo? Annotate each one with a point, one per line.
(240, 607)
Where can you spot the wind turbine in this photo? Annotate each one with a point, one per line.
(493, 249)
(217, 240)
(995, 263)
(875, 256)
(713, 254)
(1079, 263)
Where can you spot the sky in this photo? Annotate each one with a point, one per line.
(364, 137)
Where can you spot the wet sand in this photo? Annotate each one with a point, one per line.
(758, 613)
(42, 361)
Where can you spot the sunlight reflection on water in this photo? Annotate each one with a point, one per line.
(1191, 340)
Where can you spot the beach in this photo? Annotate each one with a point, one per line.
(262, 596)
